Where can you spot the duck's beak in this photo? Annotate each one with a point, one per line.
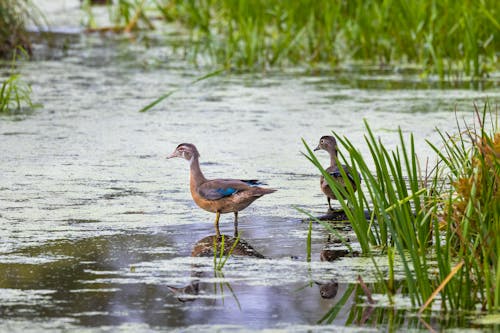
(317, 148)
(174, 154)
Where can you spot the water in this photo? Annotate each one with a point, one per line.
(97, 224)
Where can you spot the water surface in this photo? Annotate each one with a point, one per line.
(97, 224)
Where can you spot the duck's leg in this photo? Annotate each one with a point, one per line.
(217, 232)
(329, 204)
(331, 214)
(235, 224)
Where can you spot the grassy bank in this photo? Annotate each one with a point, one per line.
(443, 37)
(441, 221)
(446, 38)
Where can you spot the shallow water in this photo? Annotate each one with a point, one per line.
(97, 224)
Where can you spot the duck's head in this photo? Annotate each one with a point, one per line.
(185, 150)
(327, 143)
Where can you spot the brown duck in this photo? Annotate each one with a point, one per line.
(219, 196)
(329, 144)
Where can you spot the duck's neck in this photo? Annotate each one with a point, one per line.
(196, 176)
(333, 158)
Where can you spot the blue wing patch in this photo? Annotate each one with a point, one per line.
(226, 191)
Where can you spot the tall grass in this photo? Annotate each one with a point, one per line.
(445, 37)
(15, 93)
(443, 220)
(471, 211)
(13, 15)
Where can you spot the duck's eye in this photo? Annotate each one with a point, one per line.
(322, 141)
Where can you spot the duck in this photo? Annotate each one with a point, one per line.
(329, 144)
(219, 196)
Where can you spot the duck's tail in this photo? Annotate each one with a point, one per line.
(260, 191)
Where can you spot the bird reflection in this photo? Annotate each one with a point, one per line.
(205, 248)
(328, 290)
(334, 249)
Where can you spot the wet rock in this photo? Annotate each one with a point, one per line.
(332, 254)
(205, 247)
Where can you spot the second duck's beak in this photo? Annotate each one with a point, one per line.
(317, 148)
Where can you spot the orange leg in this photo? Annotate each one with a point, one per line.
(217, 232)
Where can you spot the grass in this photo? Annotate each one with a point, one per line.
(15, 93)
(446, 38)
(13, 34)
(445, 219)
(222, 253)
(171, 92)
(125, 15)
(471, 211)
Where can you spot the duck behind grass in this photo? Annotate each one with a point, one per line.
(329, 144)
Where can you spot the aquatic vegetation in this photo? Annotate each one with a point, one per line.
(471, 211)
(171, 92)
(13, 34)
(15, 94)
(448, 38)
(125, 15)
(221, 253)
(444, 219)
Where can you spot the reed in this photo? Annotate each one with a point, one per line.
(444, 220)
(221, 253)
(13, 34)
(471, 210)
(15, 95)
(444, 37)
(451, 39)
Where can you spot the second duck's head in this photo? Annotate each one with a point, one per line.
(327, 143)
(185, 150)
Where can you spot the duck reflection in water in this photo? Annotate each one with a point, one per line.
(329, 289)
(205, 248)
(333, 250)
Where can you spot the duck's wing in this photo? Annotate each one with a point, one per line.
(335, 172)
(220, 188)
(253, 182)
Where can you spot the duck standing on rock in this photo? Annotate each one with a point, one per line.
(218, 196)
(329, 144)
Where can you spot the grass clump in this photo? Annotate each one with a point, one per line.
(13, 34)
(15, 93)
(444, 37)
(125, 15)
(445, 219)
(222, 252)
(471, 212)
